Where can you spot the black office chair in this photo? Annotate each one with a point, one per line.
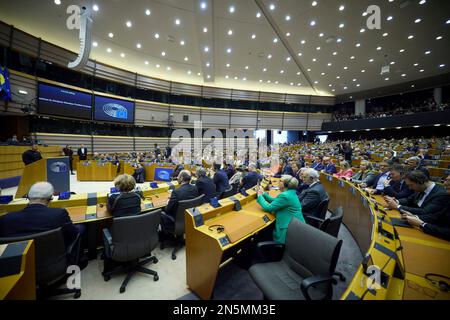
(131, 238)
(305, 269)
(332, 225)
(228, 193)
(52, 261)
(320, 213)
(178, 231)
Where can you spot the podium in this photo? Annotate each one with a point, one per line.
(53, 170)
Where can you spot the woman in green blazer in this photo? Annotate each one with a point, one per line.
(285, 206)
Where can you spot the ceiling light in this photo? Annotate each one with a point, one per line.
(299, 73)
(129, 24)
(206, 49)
(186, 59)
(341, 25)
(182, 42)
(416, 64)
(146, 63)
(329, 64)
(265, 69)
(314, 59)
(379, 48)
(314, 3)
(385, 34)
(358, 45)
(338, 77)
(229, 50)
(230, 32)
(316, 82)
(362, 30)
(321, 34)
(323, 73)
(402, 50)
(109, 50)
(392, 63)
(422, 1)
(438, 37)
(205, 29)
(95, 7)
(341, 7)
(299, 54)
(23, 92)
(227, 65)
(441, 65)
(371, 60)
(276, 82)
(189, 72)
(168, 68)
(177, 22)
(345, 88)
(122, 55)
(111, 35)
(312, 23)
(334, 53)
(303, 42)
(358, 85)
(404, 75)
(244, 78)
(231, 9)
(288, 17)
(364, 14)
(269, 56)
(258, 14)
(291, 83)
(95, 44)
(427, 52)
(58, 2)
(227, 76)
(333, 90)
(288, 59)
(203, 5)
(199, 74)
(163, 54)
(235, 78)
(352, 57)
(208, 76)
(363, 70)
(246, 67)
(156, 35)
(386, 79)
(253, 36)
(282, 71)
(288, 34)
(448, 21)
(389, 18)
(421, 70)
(138, 46)
(148, 12)
(417, 20)
(410, 37)
(345, 68)
(208, 64)
(272, 7)
(275, 40)
(318, 48)
(309, 70)
(413, 85)
(354, 80)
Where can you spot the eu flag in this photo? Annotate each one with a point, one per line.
(5, 88)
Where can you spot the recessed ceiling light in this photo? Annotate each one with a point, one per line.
(389, 18)
(345, 68)
(291, 83)
(329, 64)
(275, 40)
(205, 29)
(95, 7)
(182, 42)
(341, 7)
(189, 72)
(57, 2)
(186, 59)
(229, 50)
(416, 64)
(398, 128)
(272, 6)
(269, 56)
(392, 62)
(379, 48)
(168, 68)
(206, 49)
(421, 70)
(309, 70)
(413, 85)
(338, 77)
(341, 25)
(230, 32)
(288, 59)
(448, 21)
(299, 54)
(358, 85)
(199, 74)
(288, 34)
(227, 76)
(438, 37)
(314, 3)
(299, 73)
(208, 64)
(281, 71)
(363, 70)
(333, 90)
(410, 37)
(314, 59)
(227, 65)
(358, 45)
(235, 78)
(111, 35)
(163, 53)
(386, 79)
(385, 34)
(146, 62)
(417, 20)
(208, 76)
(109, 50)
(203, 5)
(362, 30)
(95, 44)
(364, 14)
(258, 14)
(276, 82)
(321, 34)
(402, 50)
(352, 57)
(404, 75)
(371, 60)
(318, 48)
(323, 73)
(265, 69)
(177, 22)
(244, 78)
(312, 23)
(138, 46)
(334, 53)
(354, 80)
(231, 9)
(129, 24)
(316, 82)
(288, 18)
(427, 52)
(156, 35)
(441, 65)
(345, 88)
(122, 55)
(148, 12)
(253, 36)
(422, 1)
(246, 67)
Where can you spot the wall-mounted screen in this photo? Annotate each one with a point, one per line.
(59, 101)
(113, 110)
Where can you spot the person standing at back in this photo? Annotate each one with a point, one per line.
(32, 155)
(82, 152)
(68, 152)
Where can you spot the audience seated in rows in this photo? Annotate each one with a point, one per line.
(366, 175)
(345, 172)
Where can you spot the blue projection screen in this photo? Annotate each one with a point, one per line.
(64, 102)
(113, 110)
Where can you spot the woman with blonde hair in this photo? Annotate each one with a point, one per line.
(126, 202)
(365, 175)
(346, 171)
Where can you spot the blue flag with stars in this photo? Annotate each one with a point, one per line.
(5, 88)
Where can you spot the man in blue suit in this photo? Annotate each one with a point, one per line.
(330, 167)
(205, 185)
(37, 217)
(318, 165)
(396, 187)
(251, 178)
(220, 179)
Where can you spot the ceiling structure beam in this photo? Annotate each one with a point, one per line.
(284, 41)
(204, 18)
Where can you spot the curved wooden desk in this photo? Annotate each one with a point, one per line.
(404, 255)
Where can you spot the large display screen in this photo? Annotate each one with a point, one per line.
(113, 110)
(64, 102)
(163, 174)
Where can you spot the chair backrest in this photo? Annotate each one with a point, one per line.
(182, 206)
(136, 236)
(229, 192)
(333, 223)
(310, 251)
(50, 254)
(322, 208)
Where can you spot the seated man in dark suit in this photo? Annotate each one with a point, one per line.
(37, 217)
(318, 164)
(220, 179)
(314, 194)
(330, 167)
(414, 165)
(127, 202)
(377, 185)
(428, 197)
(205, 185)
(436, 224)
(185, 191)
(251, 179)
(396, 186)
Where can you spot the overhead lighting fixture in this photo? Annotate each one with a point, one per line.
(182, 42)
(231, 9)
(398, 128)
(427, 52)
(122, 55)
(402, 50)
(299, 73)
(410, 37)
(206, 49)
(371, 60)
(95, 44)
(345, 68)
(258, 14)
(358, 45)
(341, 7)
(441, 65)
(23, 92)
(281, 71)
(205, 29)
(230, 32)
(265, 69)
(156, 35)
(269, 56)
(203, 5)
(312, 23)
(272, 7)
(275, 40)
(163, 54)
(341, 25)
(208, 64)
(318, 48)
(129, 24)
(146, 62)
(111, 35)
(352, 58)
(303, 41)
(379, 48)
(108, 50)
(438, 37)
(417, 20)
(314, 3)
(246, 67)
(334, 53)
(385, 34)
(138, 46)
(389, 18)
(404, 75)
(422, 1)
(57, 2)
(288, 34)
(288, 59)
(253, 36)
(177, 22)
(95, 7)
(168, 68)
(299, 54)
(362, 30)
(227, 65)
(229, 50)
(288, 18)
(186, 59)
(189, 72)
(321, 34)
(148, 12)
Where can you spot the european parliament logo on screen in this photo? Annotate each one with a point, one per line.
(162, 174)
(115, 110)
(58, 167)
